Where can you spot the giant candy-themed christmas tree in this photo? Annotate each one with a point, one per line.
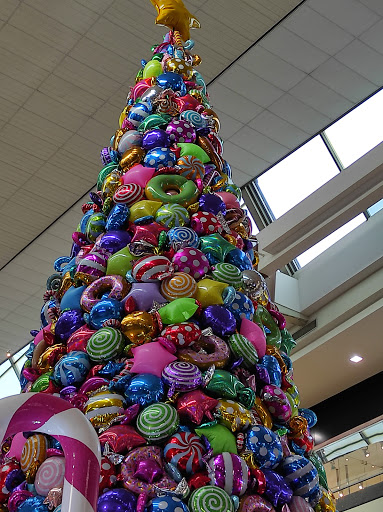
(160, 330)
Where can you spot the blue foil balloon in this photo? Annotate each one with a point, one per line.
(104, 310)
(310, 416)
(144, 389)
(33, 504)
(71, 298)
(273, 369)
(84, 221)
(72, 368)
(117, 500)
(114, 240)
(44, 318)
(138, 113)
(172, 81)
(117, 217)
(301, 475)
(241, 307)
(265, 445)
(167, 504)
(240, 259)
(156, 138)
(160, 157)
(181, 237)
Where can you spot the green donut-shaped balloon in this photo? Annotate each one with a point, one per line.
(172, 188)
(263, 318)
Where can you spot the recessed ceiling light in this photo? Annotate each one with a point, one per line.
(356, 359)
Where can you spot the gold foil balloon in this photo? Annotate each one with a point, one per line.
(174, 15)
(214, 119)
(144, 208)
(33, 454)
(139, 327)
(262, 412)
(103, 407)
(180, 66)
(326, 503)
(117, 137)
(131, 156)
(297, 426)
(233, 415)
(111, 184)
(50, 357)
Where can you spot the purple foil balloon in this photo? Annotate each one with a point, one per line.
(212, 203)
(220, 319)
(278, 492)
(156, 138)
(144, 294)
(68, 323)
(117, 500)
(230, 472)
(114, 241)
(181, 376)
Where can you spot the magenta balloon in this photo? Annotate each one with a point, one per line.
(114, 241)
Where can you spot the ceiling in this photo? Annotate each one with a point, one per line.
(66, 67)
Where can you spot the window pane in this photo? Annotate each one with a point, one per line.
(359, 131)
(4, 367)
(9, 384)
(375, 208)
(20, 363)
(254, 227)
(297, 176)
(330, 240)
(18, 354)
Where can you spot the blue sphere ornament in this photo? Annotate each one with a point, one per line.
(72, 368)
(44, 318)
(104, 310)
(265, 445)
(241, 307)
(301, 475)
(160, 157)
(270, 363)
(309, 415)
(172, 81)
(144, 389)
(167, 504)
(240, 259)
(227, 169)
(138, 113)
(117, 217)
(33, 504)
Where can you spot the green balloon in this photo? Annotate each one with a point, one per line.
(152, 68)
(188, 148)
(178, 310)
(42, 382)
(104, 173)
(317, 463)
(120, 262)
(216, 246)
(220, 438)
(263, 318)
(154, 121)
(288, 342)
(224, 384)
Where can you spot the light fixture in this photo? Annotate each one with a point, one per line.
(356, 359)
(366, 453)
(360, 486)
(8, 353)
(341, 495)
(346, 459)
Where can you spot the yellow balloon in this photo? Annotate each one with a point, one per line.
(139, 327)
(234, 415)
(261, 410)
(111, 184)
(33, 454)
(152, 68)
(143, 209)
(131, 156)
(209, 292)
(174, 15)
(123, 115)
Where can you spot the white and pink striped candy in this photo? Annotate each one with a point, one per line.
(128, 194)
(49, 414)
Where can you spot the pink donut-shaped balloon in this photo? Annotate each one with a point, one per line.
(92, 295)
(50, 475)
(135, 484)
(217, 353)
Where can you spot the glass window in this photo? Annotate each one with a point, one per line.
(375, 208)
(9, 384)
(359, 131)
(327, 242)
(20, 363)
(254, 227)
(21, 352)
(297, 176)
(4, 367)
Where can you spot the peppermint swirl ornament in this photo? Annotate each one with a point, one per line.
(128, 194)
(105, 344)
(191, 167)
(181, 237)
(72, 368)
(227, 273)
(210, 499)
(185, 450)
(50, 475)
(192, 117)
(182, 376)
(172, 215)
(157, 422)
(178, 285)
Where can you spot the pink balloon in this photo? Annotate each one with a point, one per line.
(139, 175)
(151, 358)
(17, 446)
(299, 504)
(39, 336)
(255, 503)
(229, 199)
(255, 335)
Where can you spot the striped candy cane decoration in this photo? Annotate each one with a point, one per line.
(51, 415)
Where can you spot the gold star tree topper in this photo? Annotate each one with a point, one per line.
(174, 15)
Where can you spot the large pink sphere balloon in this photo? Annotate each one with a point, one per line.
(255, 335)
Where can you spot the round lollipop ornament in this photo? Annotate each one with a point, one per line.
(50, 475)
(157, 422)
(180, 237)
(181, 376)
(178, 285)
(105, 344)
(172, 215)
(210, 499)
(230, 472)
(72, 368)
(185, 450)
(227, 273)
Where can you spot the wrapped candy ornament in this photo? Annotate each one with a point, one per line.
(159, 329)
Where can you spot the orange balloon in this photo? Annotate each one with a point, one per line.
(131, 157)
(139, 327)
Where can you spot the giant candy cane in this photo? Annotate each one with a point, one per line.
(51, 415)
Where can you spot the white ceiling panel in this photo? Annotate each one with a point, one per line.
(234, 104)
(364, 60)
(258, 144)
(374, 37)
(374, 5)
(279, 130)
(242, 159)
(7, 7)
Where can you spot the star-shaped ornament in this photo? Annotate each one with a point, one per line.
(148, 470)
(147, 232)
(174, 15)
(209, 292)
(194, 405)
